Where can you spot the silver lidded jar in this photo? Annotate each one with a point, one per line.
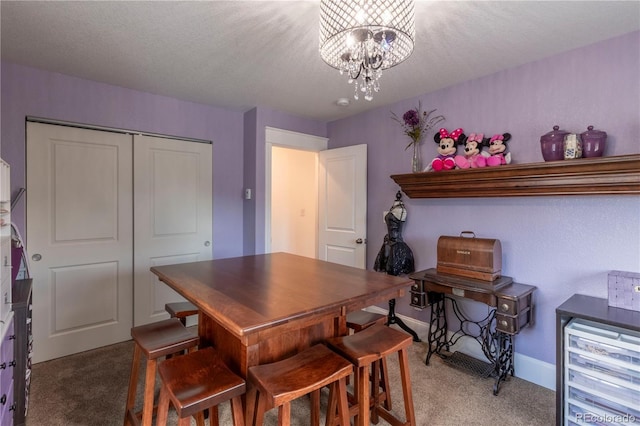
(593, 142)
(552, 144)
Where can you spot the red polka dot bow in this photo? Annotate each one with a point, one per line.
(453, 135)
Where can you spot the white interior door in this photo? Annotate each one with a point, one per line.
(172, 215)
(80, 238)
(342, 205)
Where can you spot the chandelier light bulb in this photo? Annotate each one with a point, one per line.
(363, 37)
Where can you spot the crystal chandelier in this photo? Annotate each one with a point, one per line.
(363, 37)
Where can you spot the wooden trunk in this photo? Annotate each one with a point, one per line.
(479, 258)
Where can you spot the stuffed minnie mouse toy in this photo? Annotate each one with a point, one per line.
(473, 156)
(497, 150)
(446, 149)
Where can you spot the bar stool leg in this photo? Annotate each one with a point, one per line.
(149, 387)
(133, 383)
(385, 383)
(163, 407)
(363, 396)
(332, 406)
(199, 418)
(403, 358)
(237, 414)
(260, 408)
(251, 408)
(375, 390)
(343, 404)
(284, 414)
(315, 408)
(213, 416)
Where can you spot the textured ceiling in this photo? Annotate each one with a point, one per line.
(242, 54)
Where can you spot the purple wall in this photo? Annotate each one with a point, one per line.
(562, 245)
(31, 92)
(249, 178)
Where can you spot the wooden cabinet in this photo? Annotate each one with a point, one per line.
(7, 335)
(597, 362)
(7, 368)
(22, 308)
(5, 241)
(585, 176)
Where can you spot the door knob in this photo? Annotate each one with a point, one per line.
(207, 243)
(36, 257)
(359, 241)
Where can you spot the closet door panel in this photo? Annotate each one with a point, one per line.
(175, 192)
(172, 215)
(96, 192)
(80, 238)
(96, 282)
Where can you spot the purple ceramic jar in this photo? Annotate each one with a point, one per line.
(593, 142)
(552, 144)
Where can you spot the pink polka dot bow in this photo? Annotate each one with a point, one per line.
(475, 137)
(453, 135)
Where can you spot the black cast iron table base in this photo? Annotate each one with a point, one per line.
(393, 319)
(496, 346)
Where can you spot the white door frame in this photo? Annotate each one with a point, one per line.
(287, 139)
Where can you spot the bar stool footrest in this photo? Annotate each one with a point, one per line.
(390, 418)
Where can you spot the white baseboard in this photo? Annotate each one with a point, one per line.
(530, 369)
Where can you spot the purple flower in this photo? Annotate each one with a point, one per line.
(411, 118)
(415, 123)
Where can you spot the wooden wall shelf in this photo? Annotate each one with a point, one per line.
(585, 176)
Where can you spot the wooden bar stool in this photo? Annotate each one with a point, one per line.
(359, 320)
(366, 348)
(154, 341)
(181, 310)
(195, 382)
(307, 372)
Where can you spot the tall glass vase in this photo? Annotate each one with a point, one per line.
(416, 159)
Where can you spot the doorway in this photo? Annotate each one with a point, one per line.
(340, 189)
(294, 201)
(290, 146)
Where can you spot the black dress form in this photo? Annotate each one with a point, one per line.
(395, 257)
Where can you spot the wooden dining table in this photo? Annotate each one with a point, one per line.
(263, 308)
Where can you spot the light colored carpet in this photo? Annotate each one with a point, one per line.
(89, 389)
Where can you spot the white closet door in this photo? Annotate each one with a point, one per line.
(172, 215)
(80, 238)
